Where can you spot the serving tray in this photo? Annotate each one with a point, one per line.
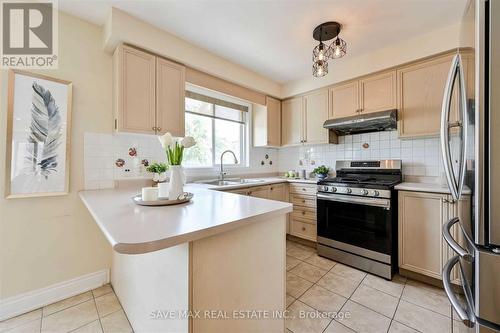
(183, 198)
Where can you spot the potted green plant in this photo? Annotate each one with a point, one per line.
(159, 171)
(321, 172)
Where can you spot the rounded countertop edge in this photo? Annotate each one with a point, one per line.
(161, 244)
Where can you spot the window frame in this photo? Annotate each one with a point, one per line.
(244, 136)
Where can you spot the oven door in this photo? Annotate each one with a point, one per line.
(359, 225)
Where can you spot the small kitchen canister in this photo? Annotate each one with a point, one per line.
(149, 194)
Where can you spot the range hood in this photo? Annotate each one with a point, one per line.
(364, 123)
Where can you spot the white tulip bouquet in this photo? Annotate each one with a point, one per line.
(175, 148)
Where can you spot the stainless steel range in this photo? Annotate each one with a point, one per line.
(357, 215)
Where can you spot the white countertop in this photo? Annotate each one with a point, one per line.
(134, 229)
(427, 187)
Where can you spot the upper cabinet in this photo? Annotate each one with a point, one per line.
(267, 123)
(170, 90)
(303, 118)
(344, 101)
(291, 122)
(369, 94)
(134, 89)
(420, 95)
(315, 115)
(378, 92)
(148, 93)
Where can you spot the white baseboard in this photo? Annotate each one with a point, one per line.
(16, 305)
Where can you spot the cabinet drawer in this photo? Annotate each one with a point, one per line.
(303, 200)
(307, 215)
(303, 189)
(303, 230)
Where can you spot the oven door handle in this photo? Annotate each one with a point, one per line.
(384, 203)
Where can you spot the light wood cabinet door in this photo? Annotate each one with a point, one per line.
(315, 114)
(344, 101)
(277, 192)
(273, 122)
(291, 117)
(420, 95)
(421, 245)
(134, 89)
(170, 91)
(378, 92)
(259, 192)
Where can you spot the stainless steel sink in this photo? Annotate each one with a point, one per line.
(219, 182)
(231, 181)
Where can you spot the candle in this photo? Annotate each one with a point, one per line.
(149, 194)
(163, 189)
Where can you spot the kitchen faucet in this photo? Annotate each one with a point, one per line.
(222, 173)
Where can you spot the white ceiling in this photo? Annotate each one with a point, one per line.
(274, 37)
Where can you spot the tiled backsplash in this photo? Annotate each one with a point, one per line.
(421, 157)
(102, 151)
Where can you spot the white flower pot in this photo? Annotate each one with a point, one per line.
(177, 180)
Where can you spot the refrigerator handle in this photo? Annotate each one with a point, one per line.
(463, 123)
(444, 130)
(465, 316)
(452, 243)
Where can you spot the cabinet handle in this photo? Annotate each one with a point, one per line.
(303, 213)
(249, 193)
(272, 188)
(303, 201)
(303, 228)
(158, 128)
(303, 189)
(452, 201)
(153, 128)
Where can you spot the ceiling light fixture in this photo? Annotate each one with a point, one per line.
(322, 52)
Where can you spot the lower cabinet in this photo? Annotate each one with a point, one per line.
(303, 217)
(302, 221)
(422, 215)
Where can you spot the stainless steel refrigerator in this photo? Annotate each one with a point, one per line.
(471, 153)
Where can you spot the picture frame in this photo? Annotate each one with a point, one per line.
(38, 135)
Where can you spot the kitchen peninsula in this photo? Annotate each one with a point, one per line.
(221, 252)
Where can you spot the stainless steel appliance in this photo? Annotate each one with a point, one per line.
(357, 215)
(364, 123)
(471, 154)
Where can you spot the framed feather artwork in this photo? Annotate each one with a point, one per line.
(38, 135)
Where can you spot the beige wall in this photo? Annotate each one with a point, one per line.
(49, 240)
(121, 27)
(349, 67)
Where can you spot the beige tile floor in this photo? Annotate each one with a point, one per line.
(96, 311)
(314, 285)
(318, 288)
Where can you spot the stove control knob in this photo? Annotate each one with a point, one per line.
(333, 189)
(348, 190)
(364, 192)
(376, 193)
(321, 188)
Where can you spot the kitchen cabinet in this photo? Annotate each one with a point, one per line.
(259, 192)
(148, 93)
(170, 90)
(422, 215)
(378, 92)
(344, 101)
(267, 123)
(371, 93)
(303, 118)
(134, 90)
(420, 89)
(315, 115)
(278, 192)
(291, 118)
(303, 217)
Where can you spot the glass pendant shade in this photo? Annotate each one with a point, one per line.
(338, 48)
(320, 68)
(320, 52)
